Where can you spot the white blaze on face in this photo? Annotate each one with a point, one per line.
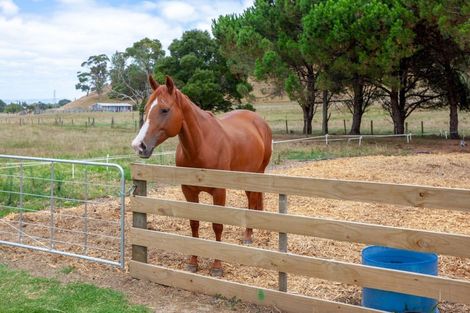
(136, 143)
(140, 137)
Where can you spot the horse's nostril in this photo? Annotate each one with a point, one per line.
(142, 146)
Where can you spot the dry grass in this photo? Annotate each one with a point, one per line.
(66, 134)
(434, 121)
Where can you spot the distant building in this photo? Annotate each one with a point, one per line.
(111, 107)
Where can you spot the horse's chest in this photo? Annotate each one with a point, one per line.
(208, 157)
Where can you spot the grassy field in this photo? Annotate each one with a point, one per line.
(94, 135)
(433, 121)
(70, 136)
(22, 293)
(67, 135)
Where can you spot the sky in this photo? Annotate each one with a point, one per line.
(43, 42)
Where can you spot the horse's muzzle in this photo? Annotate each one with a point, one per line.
(145, 154)
(142, 149)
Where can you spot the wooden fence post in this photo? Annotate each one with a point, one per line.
(344, 123)
(282, 242)
(422, 128)
(371, 127)
(406, 128)
(139, 220)
(287, 127)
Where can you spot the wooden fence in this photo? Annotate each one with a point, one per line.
(440, 288)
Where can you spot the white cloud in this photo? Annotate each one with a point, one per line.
(178, 11)
(76, 2)
(7, 7)
(39, 53)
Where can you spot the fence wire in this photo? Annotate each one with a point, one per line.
(73, 208)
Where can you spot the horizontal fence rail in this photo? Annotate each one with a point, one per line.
(452, 290)
(437, 287)
(443, 243)
(66, 207)
(211, 286)
(408, 195)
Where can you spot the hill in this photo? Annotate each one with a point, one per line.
(85, 102)
(260, 89)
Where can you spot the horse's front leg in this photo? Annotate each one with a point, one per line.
(192, 196)
(219, 196)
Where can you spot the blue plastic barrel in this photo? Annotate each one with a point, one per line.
(404, 260)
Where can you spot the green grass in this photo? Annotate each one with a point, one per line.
(67, 269)
(319, 151)
(19, 292)
(67, 187)
(306, 154)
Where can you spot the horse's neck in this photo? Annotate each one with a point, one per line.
(196, 127)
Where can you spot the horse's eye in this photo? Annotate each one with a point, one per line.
(165, 110)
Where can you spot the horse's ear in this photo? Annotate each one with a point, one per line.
(153, 83)
(170, 85)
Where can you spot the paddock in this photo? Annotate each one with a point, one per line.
(435, 170)
(443, 170)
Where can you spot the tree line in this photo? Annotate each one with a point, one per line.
(403, 54)
(22, 106)
(195, 64)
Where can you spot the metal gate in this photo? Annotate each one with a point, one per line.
(73, 208)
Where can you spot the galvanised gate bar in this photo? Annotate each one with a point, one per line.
(73, 208)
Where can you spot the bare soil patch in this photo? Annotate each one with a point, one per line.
(446, 170)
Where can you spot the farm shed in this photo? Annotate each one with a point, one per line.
(111, 107)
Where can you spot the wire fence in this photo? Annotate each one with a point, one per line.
(73, 208)
(346, 138)
(287, 125)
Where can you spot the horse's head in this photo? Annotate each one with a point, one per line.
(163, 118)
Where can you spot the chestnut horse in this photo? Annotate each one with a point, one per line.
(239, 141)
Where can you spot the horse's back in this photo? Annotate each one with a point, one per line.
(251, 140)
(240, 122)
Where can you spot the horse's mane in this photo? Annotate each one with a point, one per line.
(185, 97)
